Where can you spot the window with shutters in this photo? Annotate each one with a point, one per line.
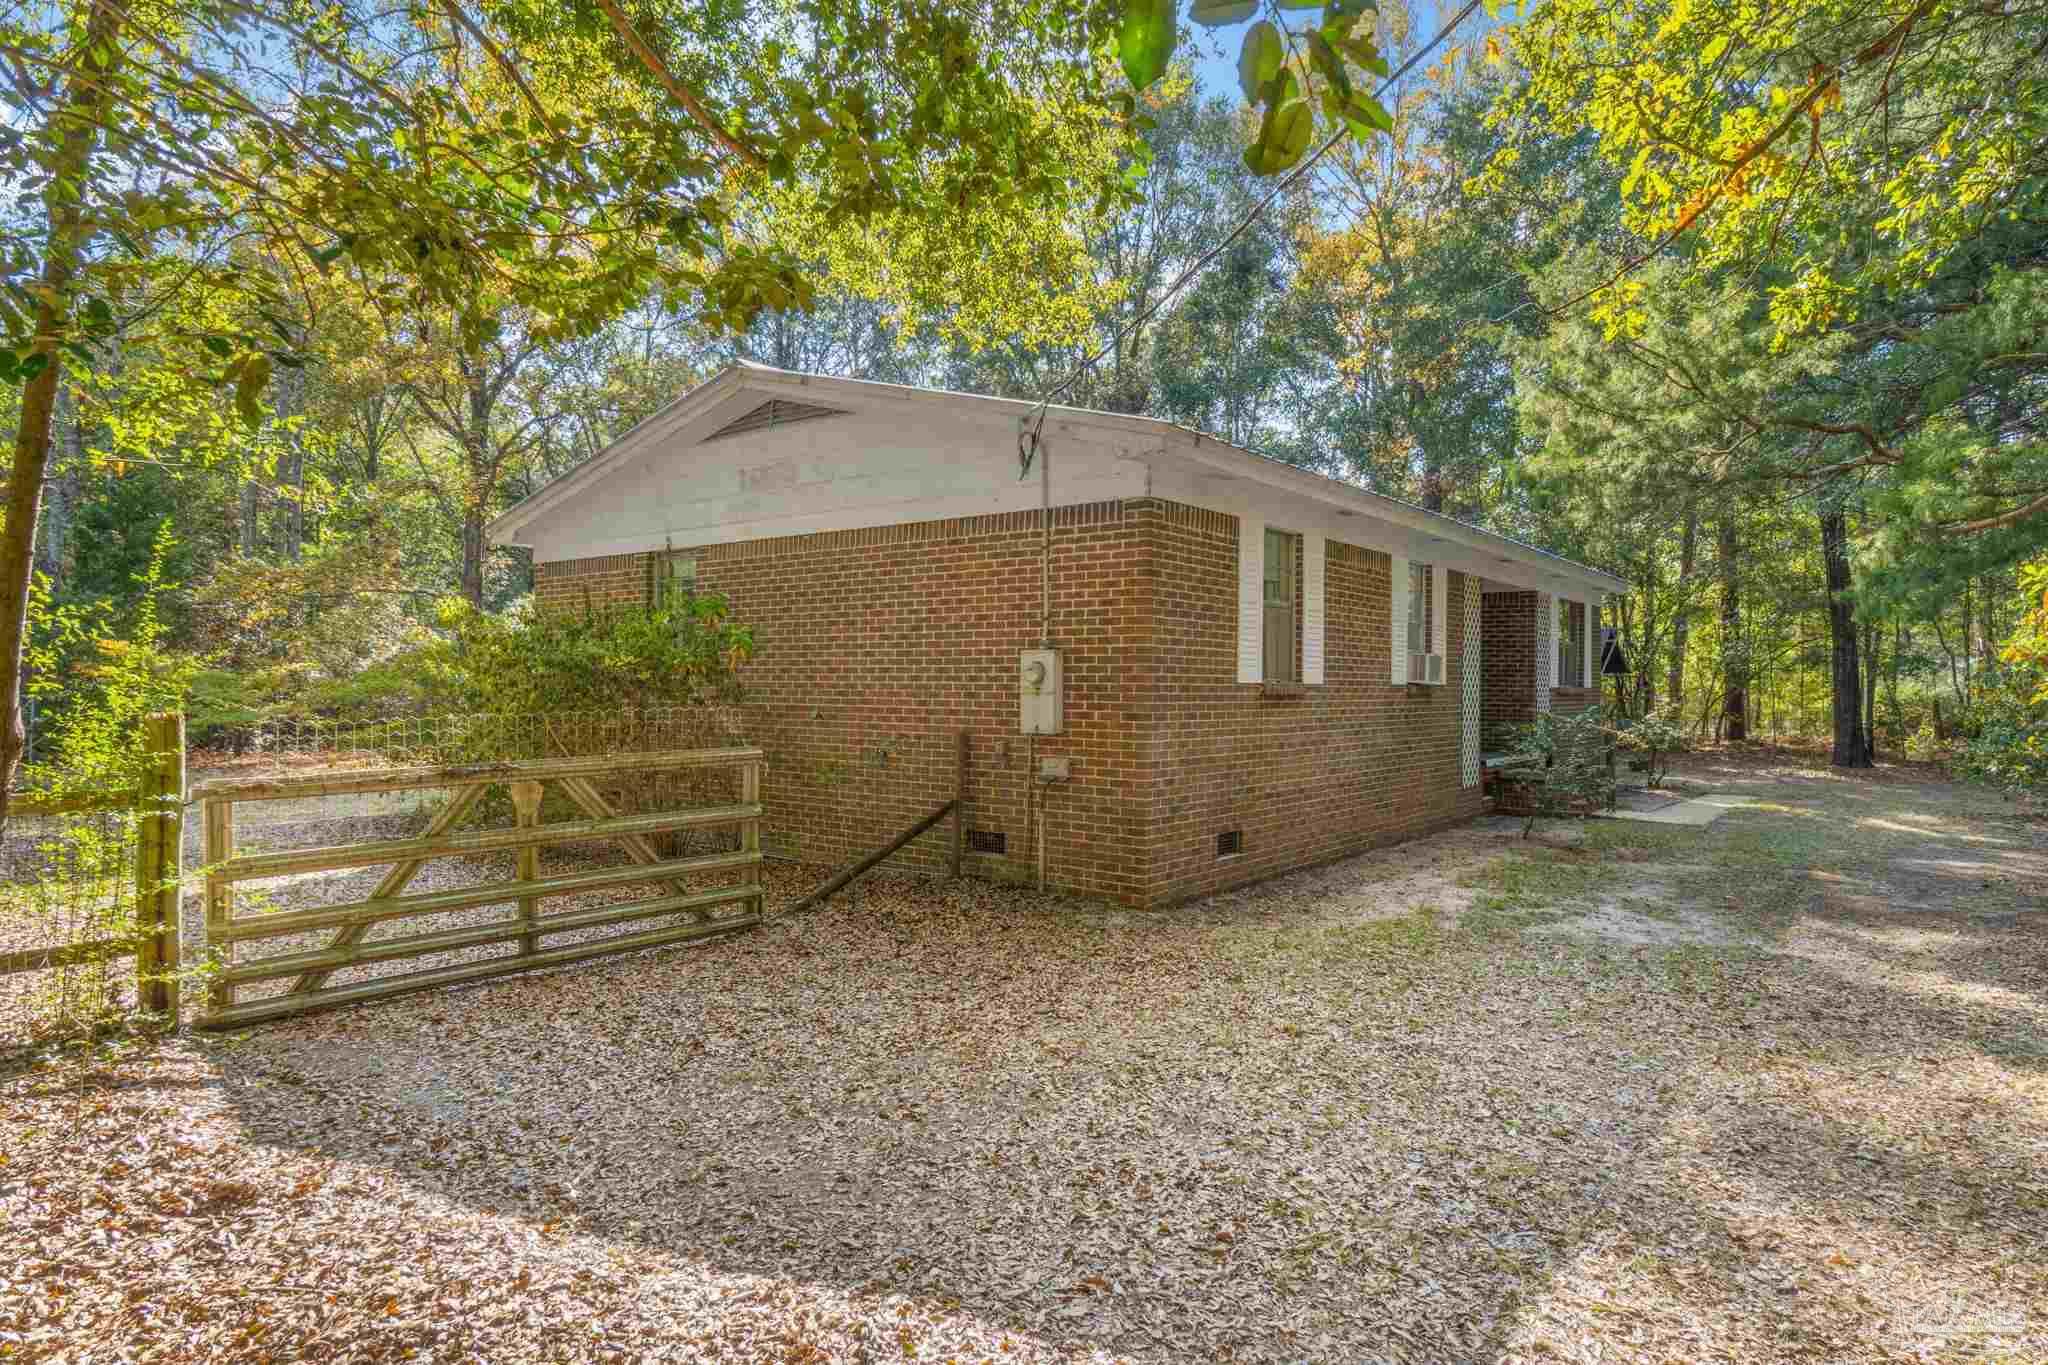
(1420, 609)
(1283, 622)
(1571, 643)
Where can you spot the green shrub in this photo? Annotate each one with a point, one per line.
(623, 656)
(2003, 734)
(1566, 755)
(74, 882)
(1656, 737)
(2006, 741)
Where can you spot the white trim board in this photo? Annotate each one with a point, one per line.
(559, 521)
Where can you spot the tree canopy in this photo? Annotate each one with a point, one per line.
(1743, 302)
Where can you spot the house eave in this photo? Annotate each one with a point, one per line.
(504, 528)
(1350, 498)
(1164, 436)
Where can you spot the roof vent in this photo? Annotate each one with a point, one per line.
(776, 412)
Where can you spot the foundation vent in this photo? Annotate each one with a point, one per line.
(987, 841)
(1230, 843)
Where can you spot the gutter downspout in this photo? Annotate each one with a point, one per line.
(1037, 788)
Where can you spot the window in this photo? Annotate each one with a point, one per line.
(674, 577)
(1419, 609)
(1283, 549)
(1571, 643)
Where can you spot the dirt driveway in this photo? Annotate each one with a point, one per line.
(1773, 1090)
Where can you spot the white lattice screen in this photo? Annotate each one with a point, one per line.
(1546, 648)
(1468, 703)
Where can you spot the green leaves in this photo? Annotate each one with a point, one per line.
(18, 367)
(1283, 138)
(1259, 59)
(1361, 113)
(1146, 40)
(1218, 13)
(251, 375)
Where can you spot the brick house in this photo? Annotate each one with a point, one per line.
(1253, 667)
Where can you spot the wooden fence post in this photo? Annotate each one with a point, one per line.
(159, 864)
(217, 845)
(750, 830)
(526, 804)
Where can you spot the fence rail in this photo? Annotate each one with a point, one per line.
(525, 781)
(459, 737)
(158, 802)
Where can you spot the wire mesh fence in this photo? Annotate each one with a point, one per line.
(67, 882)
(492, 737)
(89, 885)
(457, 738)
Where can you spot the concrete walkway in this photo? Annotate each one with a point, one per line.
(1669, 808)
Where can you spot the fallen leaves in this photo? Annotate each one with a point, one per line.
(960, 1122)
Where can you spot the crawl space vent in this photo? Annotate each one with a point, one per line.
(775, 412)
(987, 841)
(1230, 843)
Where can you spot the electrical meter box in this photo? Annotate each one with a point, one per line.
(1038, 692)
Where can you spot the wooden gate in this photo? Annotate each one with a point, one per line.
(697, 908)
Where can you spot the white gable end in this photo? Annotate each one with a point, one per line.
(822, 473)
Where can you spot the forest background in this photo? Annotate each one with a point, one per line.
(1744, 303)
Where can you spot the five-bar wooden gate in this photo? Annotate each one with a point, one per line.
(694, 908)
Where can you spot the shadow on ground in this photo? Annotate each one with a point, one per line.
(936, 1121)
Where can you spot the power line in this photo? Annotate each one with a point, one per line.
(1027, 444)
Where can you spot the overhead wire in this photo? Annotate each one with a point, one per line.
(1028, 442)
(1029, 437)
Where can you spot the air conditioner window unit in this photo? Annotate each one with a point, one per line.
(1426, 668)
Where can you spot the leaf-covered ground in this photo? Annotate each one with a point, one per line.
(1775, 1090)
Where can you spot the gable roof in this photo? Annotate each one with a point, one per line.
(782, 396)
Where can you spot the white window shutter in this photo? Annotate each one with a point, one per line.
(1592, 639)
(1311, 607)
(1251, 599)
(1546, 648)
(1397, 633)
(1562, 614)
(1439, 622)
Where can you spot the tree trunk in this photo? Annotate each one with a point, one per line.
(1433, 479)
(1991, 627)
(60, 500)
(1870, 676)
(291, 531)
(79, 117)
(245, 531)
(1734, 660)
(1681, 620)
(1852, 745)
(1891, 679)
(473, 555)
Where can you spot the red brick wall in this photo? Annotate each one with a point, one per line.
(1566, 701)
(573, 584)
(874, 648)
(1507, 688)
(1349, 764)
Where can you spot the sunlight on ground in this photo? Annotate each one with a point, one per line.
(1931, 828)
(1661, 1095)
(1956, 867)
